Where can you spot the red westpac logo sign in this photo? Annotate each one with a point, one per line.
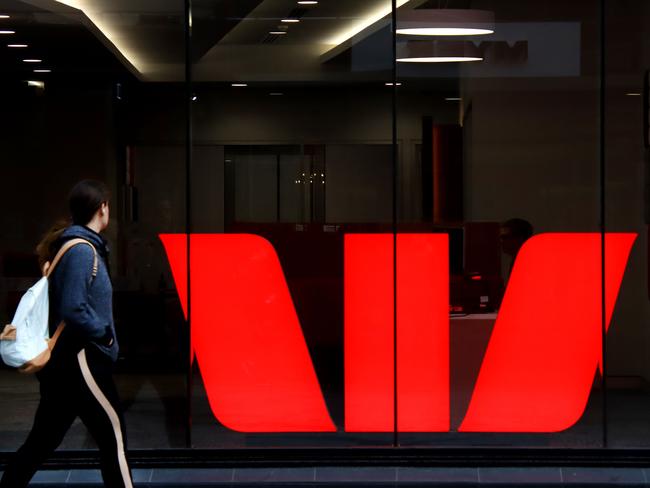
(536, 374)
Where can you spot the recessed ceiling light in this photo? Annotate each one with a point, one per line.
(32, 60)
(239, 84)
(633, 94)
(4, 16)
(391, 84)
(37, 84)
(7, 32)
(194, 98)
(307, 2)
(42, 71)
(17, 45)
(290, 21)
(278, 33)
(453, 99)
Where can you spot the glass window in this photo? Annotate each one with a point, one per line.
(498, 141)
(626, 212)
(332, 234)
(293, 109)
(95, 92)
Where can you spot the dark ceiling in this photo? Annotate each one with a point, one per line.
(230, 38)
(64, 46)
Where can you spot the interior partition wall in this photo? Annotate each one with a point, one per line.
(327, 234)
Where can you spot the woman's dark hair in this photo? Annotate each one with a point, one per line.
(46, 249)
(85, 199)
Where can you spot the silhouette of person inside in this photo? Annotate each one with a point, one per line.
(513, 234)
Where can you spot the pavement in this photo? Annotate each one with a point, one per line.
(358, 477)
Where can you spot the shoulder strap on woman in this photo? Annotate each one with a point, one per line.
(65, 248)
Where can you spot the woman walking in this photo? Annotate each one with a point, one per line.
(77, 381)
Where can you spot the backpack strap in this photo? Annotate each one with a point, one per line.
(65, 248)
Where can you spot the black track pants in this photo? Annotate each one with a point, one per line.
(83, 388)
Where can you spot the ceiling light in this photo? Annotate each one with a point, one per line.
(444, 31)
(391, 84)
(278, 33)
(439, 59)
(307, 2)
(117, 35)
(633, 94)
(453, 99)
(437, 52)
(445, 22)
(239, 84)
(7, 32)
(37, 84)
(17, 45)
(4, 16)
(366, 21)
(32, 60)
(290, 21)
(194, 98)
(42, 71)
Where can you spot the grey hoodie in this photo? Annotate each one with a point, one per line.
(83, 302)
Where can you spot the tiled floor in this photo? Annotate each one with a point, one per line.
(363, 476)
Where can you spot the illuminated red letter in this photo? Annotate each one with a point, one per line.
(546, 344)
(422, 333)
(248, 342)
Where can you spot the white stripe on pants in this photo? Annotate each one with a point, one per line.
(112, 415)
